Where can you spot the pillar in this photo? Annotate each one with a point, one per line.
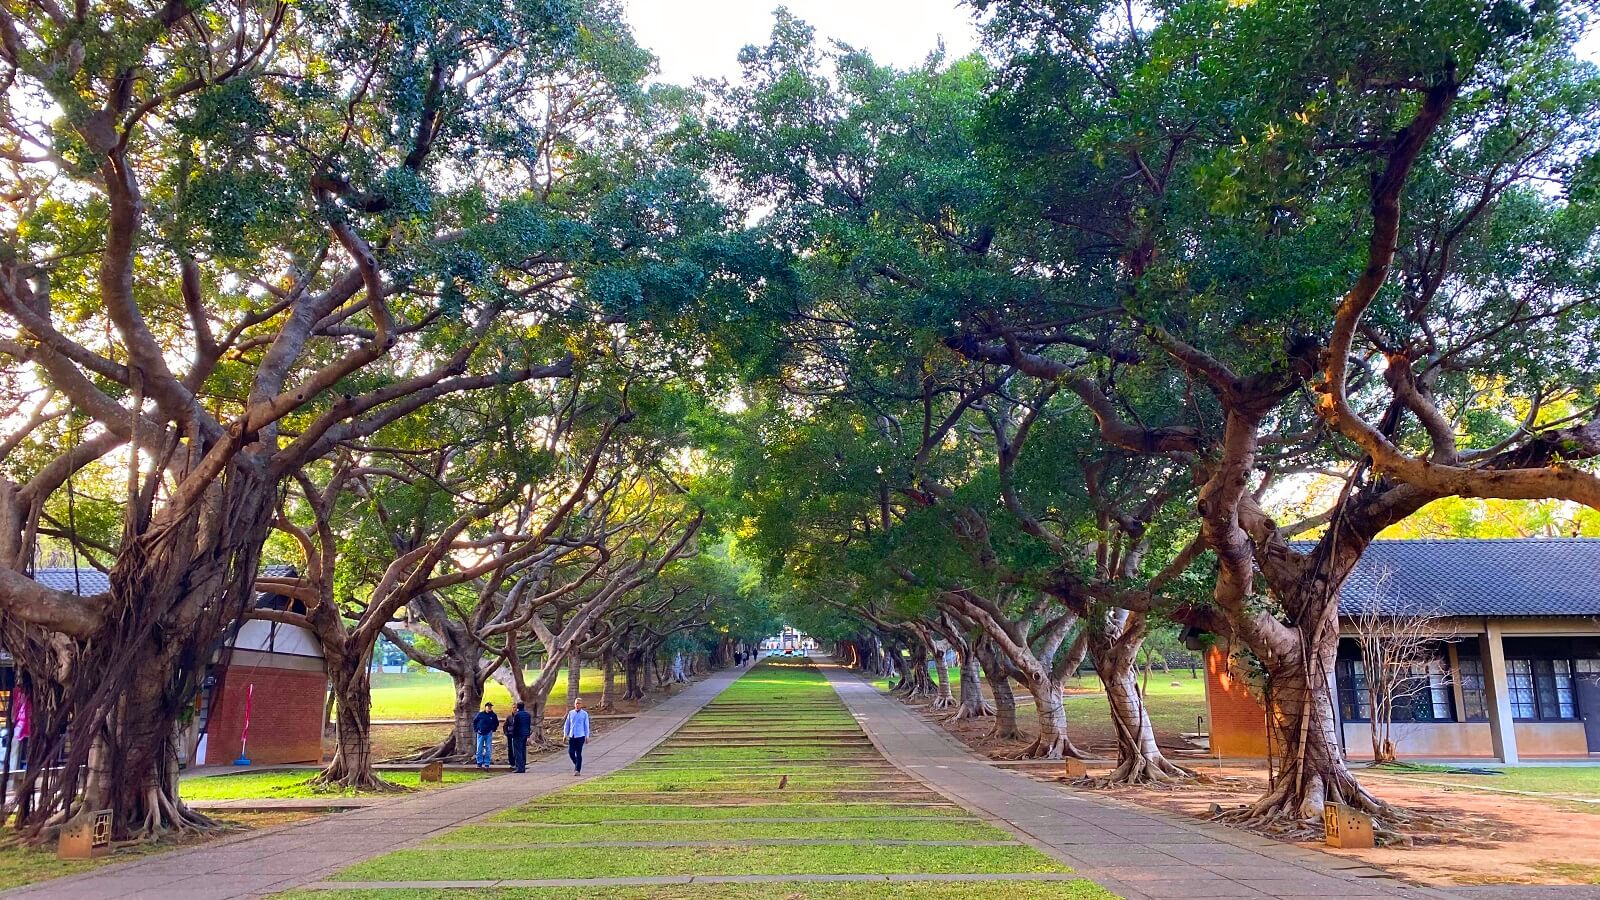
(1497, 694)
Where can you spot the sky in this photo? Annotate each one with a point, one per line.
(702, 38)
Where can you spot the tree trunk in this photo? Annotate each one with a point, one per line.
(574, 678)
(1051, 708)
(112, 703)
(973, 705)
(999, 678)
(942, 698)
(469, 699)
(608, 683)
(133, 767)
(1139, 757)
(350, 675)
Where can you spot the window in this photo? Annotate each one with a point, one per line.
(1541, 689)
(1429, 697)
(1422, 696)
(1355, 704)
(1520, 676)
(1474, 702)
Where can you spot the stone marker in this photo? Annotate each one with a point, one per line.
(1076, 768)
(1347, 827)
(433, 771)
(87, 836)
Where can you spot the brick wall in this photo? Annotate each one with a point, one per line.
(1238, 721)
(285, 715)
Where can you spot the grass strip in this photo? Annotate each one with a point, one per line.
(445, 864)
(901, 890)
(292, 784)
(888, 829)
(578, 814)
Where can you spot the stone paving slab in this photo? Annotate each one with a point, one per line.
(1139, 854)
(276, 859)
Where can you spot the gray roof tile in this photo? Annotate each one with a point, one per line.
(93, 581)
(1507, 577)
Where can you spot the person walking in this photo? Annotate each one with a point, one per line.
(519, 727)
(483, 726)
(576, 730)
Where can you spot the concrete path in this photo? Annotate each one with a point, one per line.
(1137, 853)
(255, 865)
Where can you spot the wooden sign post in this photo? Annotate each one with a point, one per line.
(87, 836)
(1076, 768)
(1346, 827)
(433, 771)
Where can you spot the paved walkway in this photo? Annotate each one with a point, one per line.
(256, 865)
(1139, 854)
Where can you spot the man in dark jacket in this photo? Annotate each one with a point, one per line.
(519, 728)
(483, 725)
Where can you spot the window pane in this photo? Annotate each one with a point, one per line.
(1474, 706)
(1520, 676)
(1564, 706)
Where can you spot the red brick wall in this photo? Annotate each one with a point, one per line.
(1238, 721)
(285, 716)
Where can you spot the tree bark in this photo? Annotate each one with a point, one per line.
(1115, 649)
(943, 698)
(608, 683)
(351, 769)
(973, 705)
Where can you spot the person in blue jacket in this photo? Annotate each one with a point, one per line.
(576, 730)
(484, 725)
(519, 728)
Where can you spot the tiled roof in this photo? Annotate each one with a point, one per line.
(93, 581)
(1508, 577)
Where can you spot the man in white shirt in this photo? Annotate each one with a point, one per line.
(576, 730)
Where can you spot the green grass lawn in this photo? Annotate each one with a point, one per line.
(1565, 781)
(888, 829)
(904, 890)
(431, 695)
(291, 783)
(446, 864)
(578, 814)
(727, 797)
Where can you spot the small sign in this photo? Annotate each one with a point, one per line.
(87, 836)
(1076, 768)
(1347, 827)
(433, 771)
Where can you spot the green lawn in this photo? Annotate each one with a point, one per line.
(576, 814)
(1565, 781)
(904, 890)
(291, 783)
(431, 695)
(889, 829)
(728, 797)
(446, 864)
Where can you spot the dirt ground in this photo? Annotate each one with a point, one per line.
(1486, 838)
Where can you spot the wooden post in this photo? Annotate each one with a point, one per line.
(433, 771)
(1075, 768)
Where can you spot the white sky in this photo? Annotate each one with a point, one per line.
(702, 38)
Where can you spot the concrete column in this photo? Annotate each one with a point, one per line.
(1453, 660)
(1497, 690)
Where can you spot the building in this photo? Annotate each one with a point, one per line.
(275, 669)
(1515, 671)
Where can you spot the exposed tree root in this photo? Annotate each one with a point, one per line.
(1058, 747)
(363, 782)
(970, 710)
